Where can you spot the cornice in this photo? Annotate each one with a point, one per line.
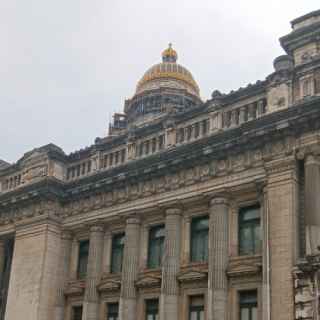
(206, 158)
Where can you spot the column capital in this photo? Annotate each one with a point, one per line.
(133, 220)
(219, 198)
(66, 235)
(173, 211)
(96, 228)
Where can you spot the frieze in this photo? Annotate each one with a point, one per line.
(173, 181)
(199, 167)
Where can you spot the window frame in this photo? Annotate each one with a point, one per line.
(196, 308)
(117, 248)
(112, 315)
(153, 312)
(248, 305)
(76, 307)
(82, 274)
(252, 225)
(203, 235)
(153, 242)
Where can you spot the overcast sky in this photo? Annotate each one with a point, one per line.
(66, 66)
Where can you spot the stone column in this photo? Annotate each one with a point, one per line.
(312, 203)
(106, 257)
(74, 259)
(218, 258)
(130, 269)
(171, 265)
(263, 199)
(63, 273)
(91, 296)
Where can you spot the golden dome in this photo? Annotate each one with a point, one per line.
(168, 74)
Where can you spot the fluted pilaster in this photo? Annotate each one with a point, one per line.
(312, 203)
(2, 255)
(63, 273)
(91, 296)
(218, 259)
(171, 266)
(130, 268)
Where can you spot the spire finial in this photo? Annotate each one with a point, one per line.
(169, 55)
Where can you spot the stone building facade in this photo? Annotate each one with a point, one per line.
(186, 210)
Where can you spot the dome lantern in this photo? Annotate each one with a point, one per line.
(169, 55)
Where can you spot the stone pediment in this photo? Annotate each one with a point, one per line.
(109, 283)
(149, 280)
(75, 288)
(193, 274)
(245, 266)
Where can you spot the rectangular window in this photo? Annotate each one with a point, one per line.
(83, 259)
(248, 305)
(196, 308)
(117, 253)
(111, 159)
(123, 155)
(105, 161)
(205, 126)
(199, 239)
(161, 142)
(147, 147)
(77, 313)
(249, 231)
(152, 309)
(83, 170)
(89, 166)
(156, 245)
(181, 135)
(116, 157)
(112, 311)
(154, 145)
(141, 149)
(189, 133)
(196, 129)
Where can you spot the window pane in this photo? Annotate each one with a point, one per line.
(193, 315)
(156, 245)
(77, 313)
(83, 259)
(117, 253)
(249, 231)
(244, 314)
(199, 239)
(254, 314)
(112, 309)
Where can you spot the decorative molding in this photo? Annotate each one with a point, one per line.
(193, 273)
(149, 280)
(109, 283)
(75, 288)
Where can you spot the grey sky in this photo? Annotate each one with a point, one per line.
(66, 66)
